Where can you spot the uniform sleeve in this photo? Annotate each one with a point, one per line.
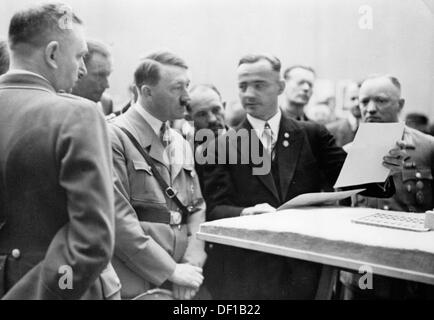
(83, 247)
(142, 254)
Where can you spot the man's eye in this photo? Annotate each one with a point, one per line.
(216, 110)
(259, 86)
(242, 87)
(380, 100)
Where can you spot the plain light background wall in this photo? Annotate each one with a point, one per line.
(211, 35)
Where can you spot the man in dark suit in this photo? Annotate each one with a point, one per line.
(295, 155)
(56, 192)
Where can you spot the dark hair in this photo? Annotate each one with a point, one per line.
(4, 57)
(297, 66)
(148, 71)
(253, 58)
(94, 46)
(35, 25)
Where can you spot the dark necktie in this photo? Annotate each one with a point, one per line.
(164, 135)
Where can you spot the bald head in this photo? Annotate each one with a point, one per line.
(206, 108)
(380, 99)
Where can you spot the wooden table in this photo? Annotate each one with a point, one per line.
(327, 236)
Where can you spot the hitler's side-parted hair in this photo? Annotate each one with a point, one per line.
(37, 25)
(148, 71)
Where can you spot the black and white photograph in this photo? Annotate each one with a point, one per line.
(218, 155)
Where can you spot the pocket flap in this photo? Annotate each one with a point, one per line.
(140, 165)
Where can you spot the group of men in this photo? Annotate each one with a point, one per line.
(96, 209)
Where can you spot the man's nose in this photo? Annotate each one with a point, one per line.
(106, 84)
(211, 117)
(371, 107)
(82, 69)
(249, 92)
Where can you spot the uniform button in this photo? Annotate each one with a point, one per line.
(386, 208)
(409, 187)
(16, 253)
(420, 185)
(420, 197)
(418, 175)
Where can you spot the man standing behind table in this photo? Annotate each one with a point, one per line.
(56, 193)
(295, 154)
(160, 189)
(380, 101)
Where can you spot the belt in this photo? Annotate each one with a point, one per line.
(158, 214)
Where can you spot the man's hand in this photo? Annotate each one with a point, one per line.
(187, 275)
(184, 293)
(258, 209)
(398, 158)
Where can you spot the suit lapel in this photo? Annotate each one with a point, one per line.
(289, 144)
(266, 179)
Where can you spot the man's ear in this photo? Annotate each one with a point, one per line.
(282, 85)
(145, 91)
(52, 54)
(401, 104)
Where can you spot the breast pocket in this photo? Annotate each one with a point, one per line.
(143, 185)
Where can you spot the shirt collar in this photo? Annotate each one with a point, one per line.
(274, 123)
(149, 118)
(22, 71)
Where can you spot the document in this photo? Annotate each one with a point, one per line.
(311, 199)
(364, 161)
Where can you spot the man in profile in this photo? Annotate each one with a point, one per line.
(56, 191)
(344, 130)
(99, 67)
(160, 192)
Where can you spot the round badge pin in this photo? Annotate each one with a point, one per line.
(286, 135)
(286, 144)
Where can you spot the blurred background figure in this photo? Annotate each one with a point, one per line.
(299, 88)
(4, 57)
(234, 113)
(417, 121)
(320, 113)
(93, 85)
(344, 130)
(206, 108)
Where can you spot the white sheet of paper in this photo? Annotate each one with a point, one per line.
(364, 161)
(309, 199)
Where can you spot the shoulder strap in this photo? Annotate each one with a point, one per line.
(169, 191)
